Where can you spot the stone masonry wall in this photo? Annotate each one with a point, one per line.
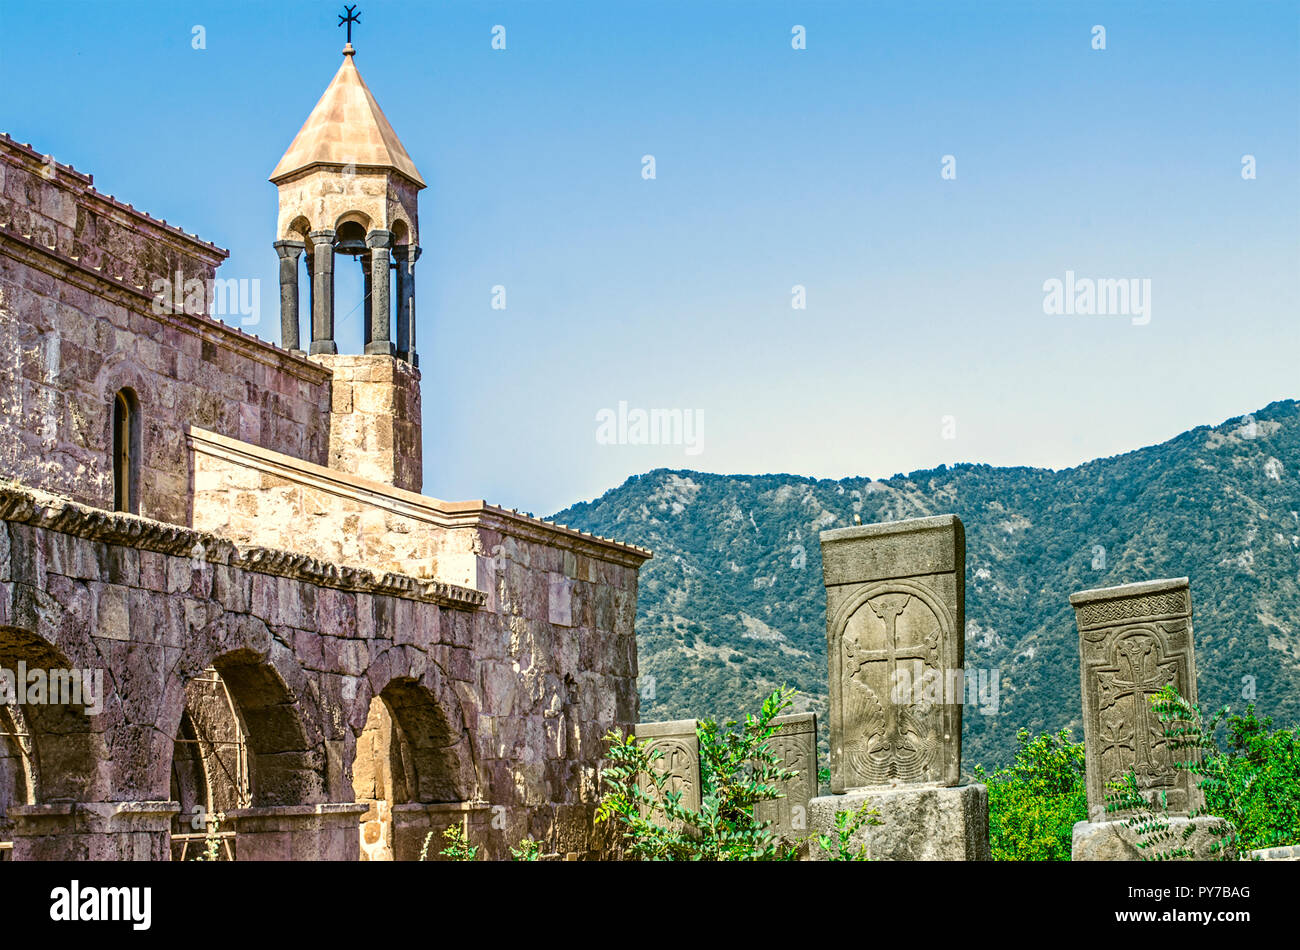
(375, 419)
(528, 698)
(77, 270)
(555, 643)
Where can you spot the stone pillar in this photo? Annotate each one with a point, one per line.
(895, 624)
(289, 252)
(366, 290)
(328, 832)
(93, 831)
(379, 341)
(1133, 640)
(322, 292)
(407, 255)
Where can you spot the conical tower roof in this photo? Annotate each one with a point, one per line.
(347, 127)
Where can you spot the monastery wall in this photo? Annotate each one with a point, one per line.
(78, 323)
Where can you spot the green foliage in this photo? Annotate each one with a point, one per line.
(1256, 781)
(1251, 789)
(212, 838)
(1156, 839)
(458, 847)
(840, 848)
(528, 850)
(1034, 803)
(737, 771)
(733, 550)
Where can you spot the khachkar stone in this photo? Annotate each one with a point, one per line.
(795, 745)
(1133, 641)
(895, 621)
(679, 748)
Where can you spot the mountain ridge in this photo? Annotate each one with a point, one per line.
(732, 604)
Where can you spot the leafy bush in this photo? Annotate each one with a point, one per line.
(1252, 789)
(737, 771)
(1256, 782)
(847, 824)
(528, 850)
(458, 846)
(1034, 803)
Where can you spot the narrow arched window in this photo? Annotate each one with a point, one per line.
(126, 452)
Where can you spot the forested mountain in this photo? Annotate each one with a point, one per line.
(732, 604)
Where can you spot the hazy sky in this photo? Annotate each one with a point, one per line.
(774, 167)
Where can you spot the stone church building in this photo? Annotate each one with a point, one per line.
(299, 655)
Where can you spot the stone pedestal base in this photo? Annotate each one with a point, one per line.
(412, 823)
(1111, 841)
(921, 822)
(1287, 853)
(329, 832)
(93, 831)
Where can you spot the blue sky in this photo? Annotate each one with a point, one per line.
(775, 167)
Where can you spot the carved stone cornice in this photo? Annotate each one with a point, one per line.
(39, 509)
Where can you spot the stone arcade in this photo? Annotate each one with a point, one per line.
(291, 636)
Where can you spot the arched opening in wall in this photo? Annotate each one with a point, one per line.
(352, 271)
(241, 742)
(401, 232)
(17, 781)
(409, 761)
(126, 451)
(50, 748)
(298, 230)
(209, 771)
(284, 767)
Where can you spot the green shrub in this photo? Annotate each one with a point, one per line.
(840, 847)
(737, 771)
(458, 846)
(1252, 788)
(1035, 802)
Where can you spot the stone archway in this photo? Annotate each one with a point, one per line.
(52, 751)
(210, 776)
(17, 774)
(412, 771)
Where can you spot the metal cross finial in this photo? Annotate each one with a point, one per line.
(352, 17)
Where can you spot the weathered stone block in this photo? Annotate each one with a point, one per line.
(679, 748)
(919, 822)
(1112, 841)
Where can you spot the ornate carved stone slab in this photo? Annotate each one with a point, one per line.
(680, 746)
(795, 744)
(895, 616)
(1133, 640)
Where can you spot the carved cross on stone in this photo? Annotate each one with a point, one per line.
(902, 733)
(1138, 675)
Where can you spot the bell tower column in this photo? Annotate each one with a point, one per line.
(379, 339)
(322, 300)
(407, 255)
(289, 252)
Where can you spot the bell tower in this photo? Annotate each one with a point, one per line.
(348, 191)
